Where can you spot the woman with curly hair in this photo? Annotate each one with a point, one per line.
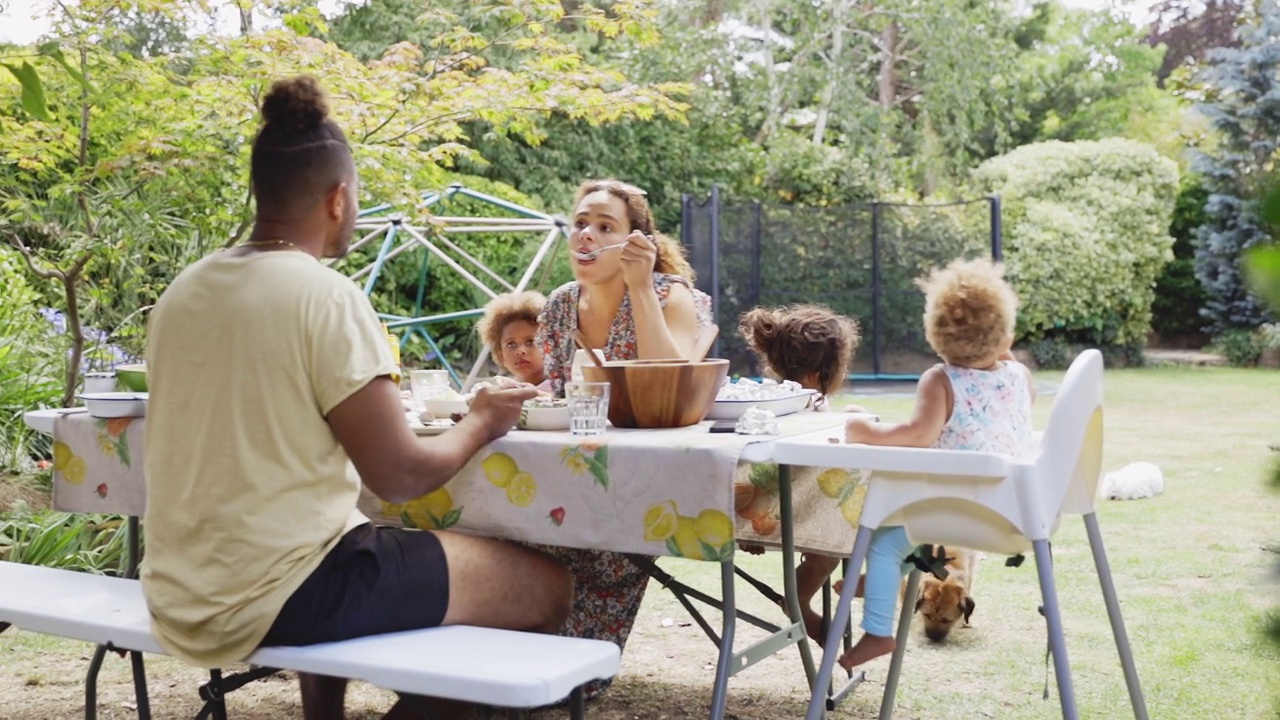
(510, 329)
(632, 294)
(979, 398)
(632, 297)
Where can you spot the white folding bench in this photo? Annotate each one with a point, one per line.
(503, 668)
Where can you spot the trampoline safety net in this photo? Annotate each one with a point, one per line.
(860, 260)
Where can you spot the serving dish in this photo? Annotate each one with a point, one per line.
(785, 405)
(659, 393)
(115, 404)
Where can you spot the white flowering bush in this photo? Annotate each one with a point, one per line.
(1086, 234)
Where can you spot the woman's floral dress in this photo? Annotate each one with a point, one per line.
(608, 586)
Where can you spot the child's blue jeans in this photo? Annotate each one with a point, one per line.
(886, 564)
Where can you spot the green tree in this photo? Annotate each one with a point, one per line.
(1088, 75)
(138, 164)
(1240, 86)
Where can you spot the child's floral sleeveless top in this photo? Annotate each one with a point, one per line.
(991, 411)
(559, 319)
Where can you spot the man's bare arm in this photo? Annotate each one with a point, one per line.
(396, 464)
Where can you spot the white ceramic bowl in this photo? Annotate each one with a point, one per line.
(533, 417)
(443, 408)
(115, 404)
(733, 409)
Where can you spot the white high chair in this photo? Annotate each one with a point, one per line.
(986, 502)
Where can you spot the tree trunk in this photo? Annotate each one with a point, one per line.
(833, 72)
(773, 112)
(887, 84)
(712, 13)
(245, 8)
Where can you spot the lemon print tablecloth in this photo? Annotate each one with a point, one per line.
(97, 465)
(655, 492)
(680, 492)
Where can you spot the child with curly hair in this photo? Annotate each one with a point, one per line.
(813, 346)
(979, 399)
(510, 328)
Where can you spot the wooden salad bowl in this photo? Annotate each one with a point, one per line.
(659, 393)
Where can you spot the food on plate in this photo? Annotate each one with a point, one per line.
(546, 402)
(766, 389)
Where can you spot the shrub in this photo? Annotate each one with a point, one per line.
(1179, 294)
(1086, 236)
(29, 366)
(1239, 346)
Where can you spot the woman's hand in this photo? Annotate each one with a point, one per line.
(638, 259)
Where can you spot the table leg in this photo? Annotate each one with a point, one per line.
(789, 571)
(724, 668)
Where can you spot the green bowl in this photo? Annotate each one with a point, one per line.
(132, 377)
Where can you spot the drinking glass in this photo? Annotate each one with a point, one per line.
(429, 385)
(588, 407)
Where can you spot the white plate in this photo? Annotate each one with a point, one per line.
(434, 428)
(115, 404)
(733, 409)
(543, 418)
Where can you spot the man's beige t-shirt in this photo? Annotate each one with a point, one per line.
(247, 488)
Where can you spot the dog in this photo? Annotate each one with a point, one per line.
(943, 603)
(1134, 481)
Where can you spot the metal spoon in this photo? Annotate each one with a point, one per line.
(592, 255)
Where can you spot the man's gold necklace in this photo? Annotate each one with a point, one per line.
(267, 243)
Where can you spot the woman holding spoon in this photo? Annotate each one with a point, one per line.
(633, 297)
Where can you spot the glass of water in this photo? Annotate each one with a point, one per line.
(588, 407)
(429, 385)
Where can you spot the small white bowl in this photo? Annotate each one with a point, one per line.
(533, 417)
(115, 404)
(443, 408)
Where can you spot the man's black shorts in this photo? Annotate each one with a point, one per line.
(375, 580)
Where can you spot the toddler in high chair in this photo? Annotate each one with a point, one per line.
(510, 328)
(979, 399)
(813, 346)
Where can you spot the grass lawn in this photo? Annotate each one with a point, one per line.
(1191, 567)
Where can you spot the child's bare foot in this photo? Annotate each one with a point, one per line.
(812, 621)
(869, 647)
(857, 592)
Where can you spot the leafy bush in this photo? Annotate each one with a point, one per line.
(1049, 354)
(89, 543)
(1086, 236)
(1239, 346)
(28, 365)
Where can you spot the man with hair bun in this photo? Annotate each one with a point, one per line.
(271, 402)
